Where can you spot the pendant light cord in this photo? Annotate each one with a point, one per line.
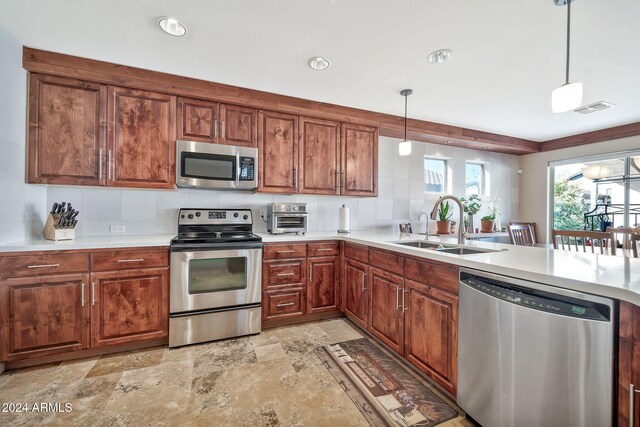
(405, 116)
(568, 38)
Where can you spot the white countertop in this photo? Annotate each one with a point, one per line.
(609, 276)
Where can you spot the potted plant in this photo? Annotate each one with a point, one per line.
(444, 219)
(487, 222)
(472, 205)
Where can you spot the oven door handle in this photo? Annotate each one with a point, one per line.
(209, 247)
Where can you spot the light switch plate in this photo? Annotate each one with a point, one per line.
(119, 228)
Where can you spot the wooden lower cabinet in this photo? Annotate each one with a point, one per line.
(431, 332)
(42, 316)
(324, 275)
(386, 312)
(356, 292)
(629, 364)
(129, 305)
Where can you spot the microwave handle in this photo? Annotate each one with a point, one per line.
(237, 164)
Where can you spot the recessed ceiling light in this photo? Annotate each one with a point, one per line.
(318, 63)
(172, 26)
(439, 56)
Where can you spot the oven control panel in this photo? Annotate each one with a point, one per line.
(214, 216)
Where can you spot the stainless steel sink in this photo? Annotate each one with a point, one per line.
(446, 248)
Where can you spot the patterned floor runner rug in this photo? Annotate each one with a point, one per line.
(385, 392)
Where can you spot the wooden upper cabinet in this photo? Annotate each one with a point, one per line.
(238, 125)
(43, 315)
(319, 156)
(129, 306)
(359, 160)
(198, 120)
(141, 138)
(278, 152)
(67, 131)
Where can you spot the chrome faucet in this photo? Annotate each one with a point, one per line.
(426, 216)
(434, 215)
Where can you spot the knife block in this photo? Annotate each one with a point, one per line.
(50, 231)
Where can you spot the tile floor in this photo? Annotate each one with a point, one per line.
(270, 379)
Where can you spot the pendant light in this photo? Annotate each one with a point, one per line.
(568, 96)
(404, 149)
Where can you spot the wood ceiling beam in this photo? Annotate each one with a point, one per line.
(40, 61)
(601, 135)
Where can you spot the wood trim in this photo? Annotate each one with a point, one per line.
(35, 60)
(274, 323)
(601, 135)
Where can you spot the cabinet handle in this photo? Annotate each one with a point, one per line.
(215, 128)
(342, 180)
(93, 293)
(44, 266)
(310, 274)
(285, 252)
(109, 165)
(363, 276)
(295, 178)
(100, 163)
(324, 249)
(285, 304)
(284, 274)
(82, 295)
(632, 392)
(223, 133)
(403, 306)
(131, 260)
(397, 291)
(337, 181)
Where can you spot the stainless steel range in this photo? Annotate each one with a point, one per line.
(215, 276)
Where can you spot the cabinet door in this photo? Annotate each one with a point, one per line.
(359, 160)
(323, 281)
(431, 332)
(319, 156)
(628, 363)
(386, 315)
(44, 315)
(197, 120)
(278, 152)
(356, 294)
(67, 131)
(130, 305)
(141, 138)
(238, 125)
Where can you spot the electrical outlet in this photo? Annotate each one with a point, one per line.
(116, 228)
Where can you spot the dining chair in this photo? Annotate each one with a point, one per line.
(521, 234)
(635, 238)
(568, 239)
(533, 228)
(627, 233)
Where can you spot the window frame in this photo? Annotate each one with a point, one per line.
(445, 177)
(483, 191)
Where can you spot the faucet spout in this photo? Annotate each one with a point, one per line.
(434, 215)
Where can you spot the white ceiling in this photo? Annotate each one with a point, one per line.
(509, 55)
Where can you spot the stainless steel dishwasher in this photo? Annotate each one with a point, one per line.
(533, 355)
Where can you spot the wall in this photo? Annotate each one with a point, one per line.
(23, 211)
(400, 196)
(534, 204)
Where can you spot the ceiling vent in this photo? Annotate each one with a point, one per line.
(596, 106)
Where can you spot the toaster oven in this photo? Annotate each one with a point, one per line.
(287, 218)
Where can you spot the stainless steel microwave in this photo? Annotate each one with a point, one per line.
(216, 166)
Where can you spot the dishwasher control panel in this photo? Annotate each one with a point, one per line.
(538, 300)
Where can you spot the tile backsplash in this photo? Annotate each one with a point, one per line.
(400, 196)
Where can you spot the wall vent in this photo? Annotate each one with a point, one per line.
(596, 106)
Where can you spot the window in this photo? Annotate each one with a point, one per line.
(435, 175)
(475, 178)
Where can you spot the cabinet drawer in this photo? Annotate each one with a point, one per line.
(284, 304)
(359, 253)
(41, 264)
(285, 250)
(280, 274)
(324, 249)
(387, 261)
(129, 259)
(444, 278)
(417, 271)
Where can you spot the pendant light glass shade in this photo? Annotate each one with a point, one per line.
(404, 149)
(566, 98)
